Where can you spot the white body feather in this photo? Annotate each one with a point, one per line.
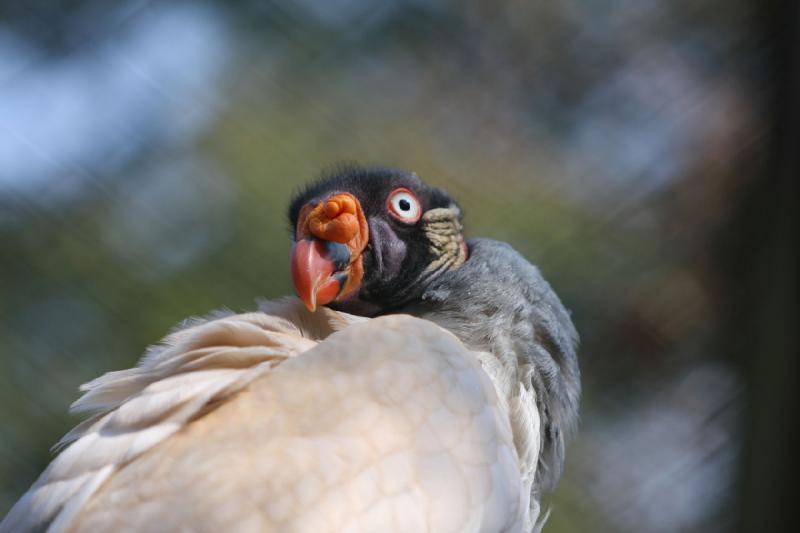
(283, 420)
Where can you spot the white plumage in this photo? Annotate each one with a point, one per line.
(286, 420)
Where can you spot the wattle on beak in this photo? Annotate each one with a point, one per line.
(326, 259)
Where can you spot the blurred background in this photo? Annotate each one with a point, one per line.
(630, 149)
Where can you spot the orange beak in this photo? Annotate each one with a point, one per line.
(326, 260)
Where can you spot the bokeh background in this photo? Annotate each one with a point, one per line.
(148, 151)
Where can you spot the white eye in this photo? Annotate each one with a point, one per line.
(404, 206)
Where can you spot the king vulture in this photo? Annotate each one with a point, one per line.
(421, 382)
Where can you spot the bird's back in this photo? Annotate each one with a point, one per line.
(389, 424)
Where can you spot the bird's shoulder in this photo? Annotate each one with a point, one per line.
(389, 423)
(249, 407)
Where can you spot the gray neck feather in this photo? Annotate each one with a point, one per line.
(499, 303)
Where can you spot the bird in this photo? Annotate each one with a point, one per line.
(418, 381)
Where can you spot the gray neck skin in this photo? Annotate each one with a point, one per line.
(497, 302)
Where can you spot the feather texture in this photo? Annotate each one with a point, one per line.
(498, 304)
(206, 362)
(250, 423)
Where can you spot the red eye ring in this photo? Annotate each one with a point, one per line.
(403, 205)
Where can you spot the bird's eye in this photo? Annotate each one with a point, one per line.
(404, 206)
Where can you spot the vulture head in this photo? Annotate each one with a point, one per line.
(370, 240)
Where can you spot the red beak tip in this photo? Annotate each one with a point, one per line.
(311, 274)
